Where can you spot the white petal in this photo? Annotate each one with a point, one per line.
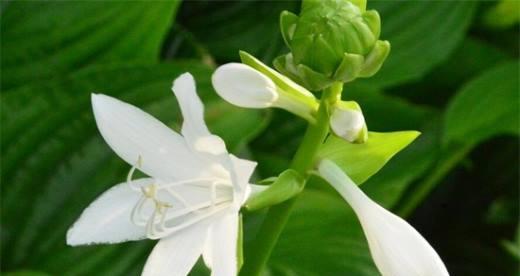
(194, 128)
(107, 219)
(396, 247)
(347, 123)
(191, 106)
(243, 170)
(221, 254)
(243, 86)
(132, 133)
(178, 253)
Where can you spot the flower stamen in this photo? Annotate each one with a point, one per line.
(138, 164)
(160, 221)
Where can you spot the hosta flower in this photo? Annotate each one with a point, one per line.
(191, 199)
(396, 247)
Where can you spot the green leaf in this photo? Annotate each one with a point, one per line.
(486, 106)
(361, 161)
(46, 39)
(26, 273)
(54, 161)
(322, 237)
(387, 112)
(438, 86)
(251, 26)
(417, 47)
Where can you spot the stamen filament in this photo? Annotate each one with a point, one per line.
(153, 233)
(131, 173)
(156, 224)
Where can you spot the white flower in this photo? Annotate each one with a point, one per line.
(347, 122)
(396, 247)
(245, 86)
(190, 201)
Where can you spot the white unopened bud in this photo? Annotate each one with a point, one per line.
(347, 122)
(243, 86)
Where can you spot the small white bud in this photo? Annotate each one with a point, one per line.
(243, 86)
(347, 122)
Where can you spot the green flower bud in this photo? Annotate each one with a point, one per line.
(331, 40)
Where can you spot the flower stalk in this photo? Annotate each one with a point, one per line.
(259, 251)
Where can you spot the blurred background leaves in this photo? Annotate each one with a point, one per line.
(451, 74)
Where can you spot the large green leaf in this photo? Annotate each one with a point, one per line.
(26, 273)
(44, 39)
(438, 86)
(54, 162)
(361, 161)
(422, 34)
(486, 106)
(237, 25)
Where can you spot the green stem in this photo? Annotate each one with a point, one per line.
(445, 165)
(258, 252)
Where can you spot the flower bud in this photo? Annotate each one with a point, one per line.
(347, 122)
(255, 85)
(331, 40)
(243, 86)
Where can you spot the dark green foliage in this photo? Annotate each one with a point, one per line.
(446, 76)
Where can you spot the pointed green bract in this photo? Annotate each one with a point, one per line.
(288, 22)
(280, 80)
(361, 161)
(288, 184)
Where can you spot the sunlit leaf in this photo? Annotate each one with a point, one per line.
(360, 161)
